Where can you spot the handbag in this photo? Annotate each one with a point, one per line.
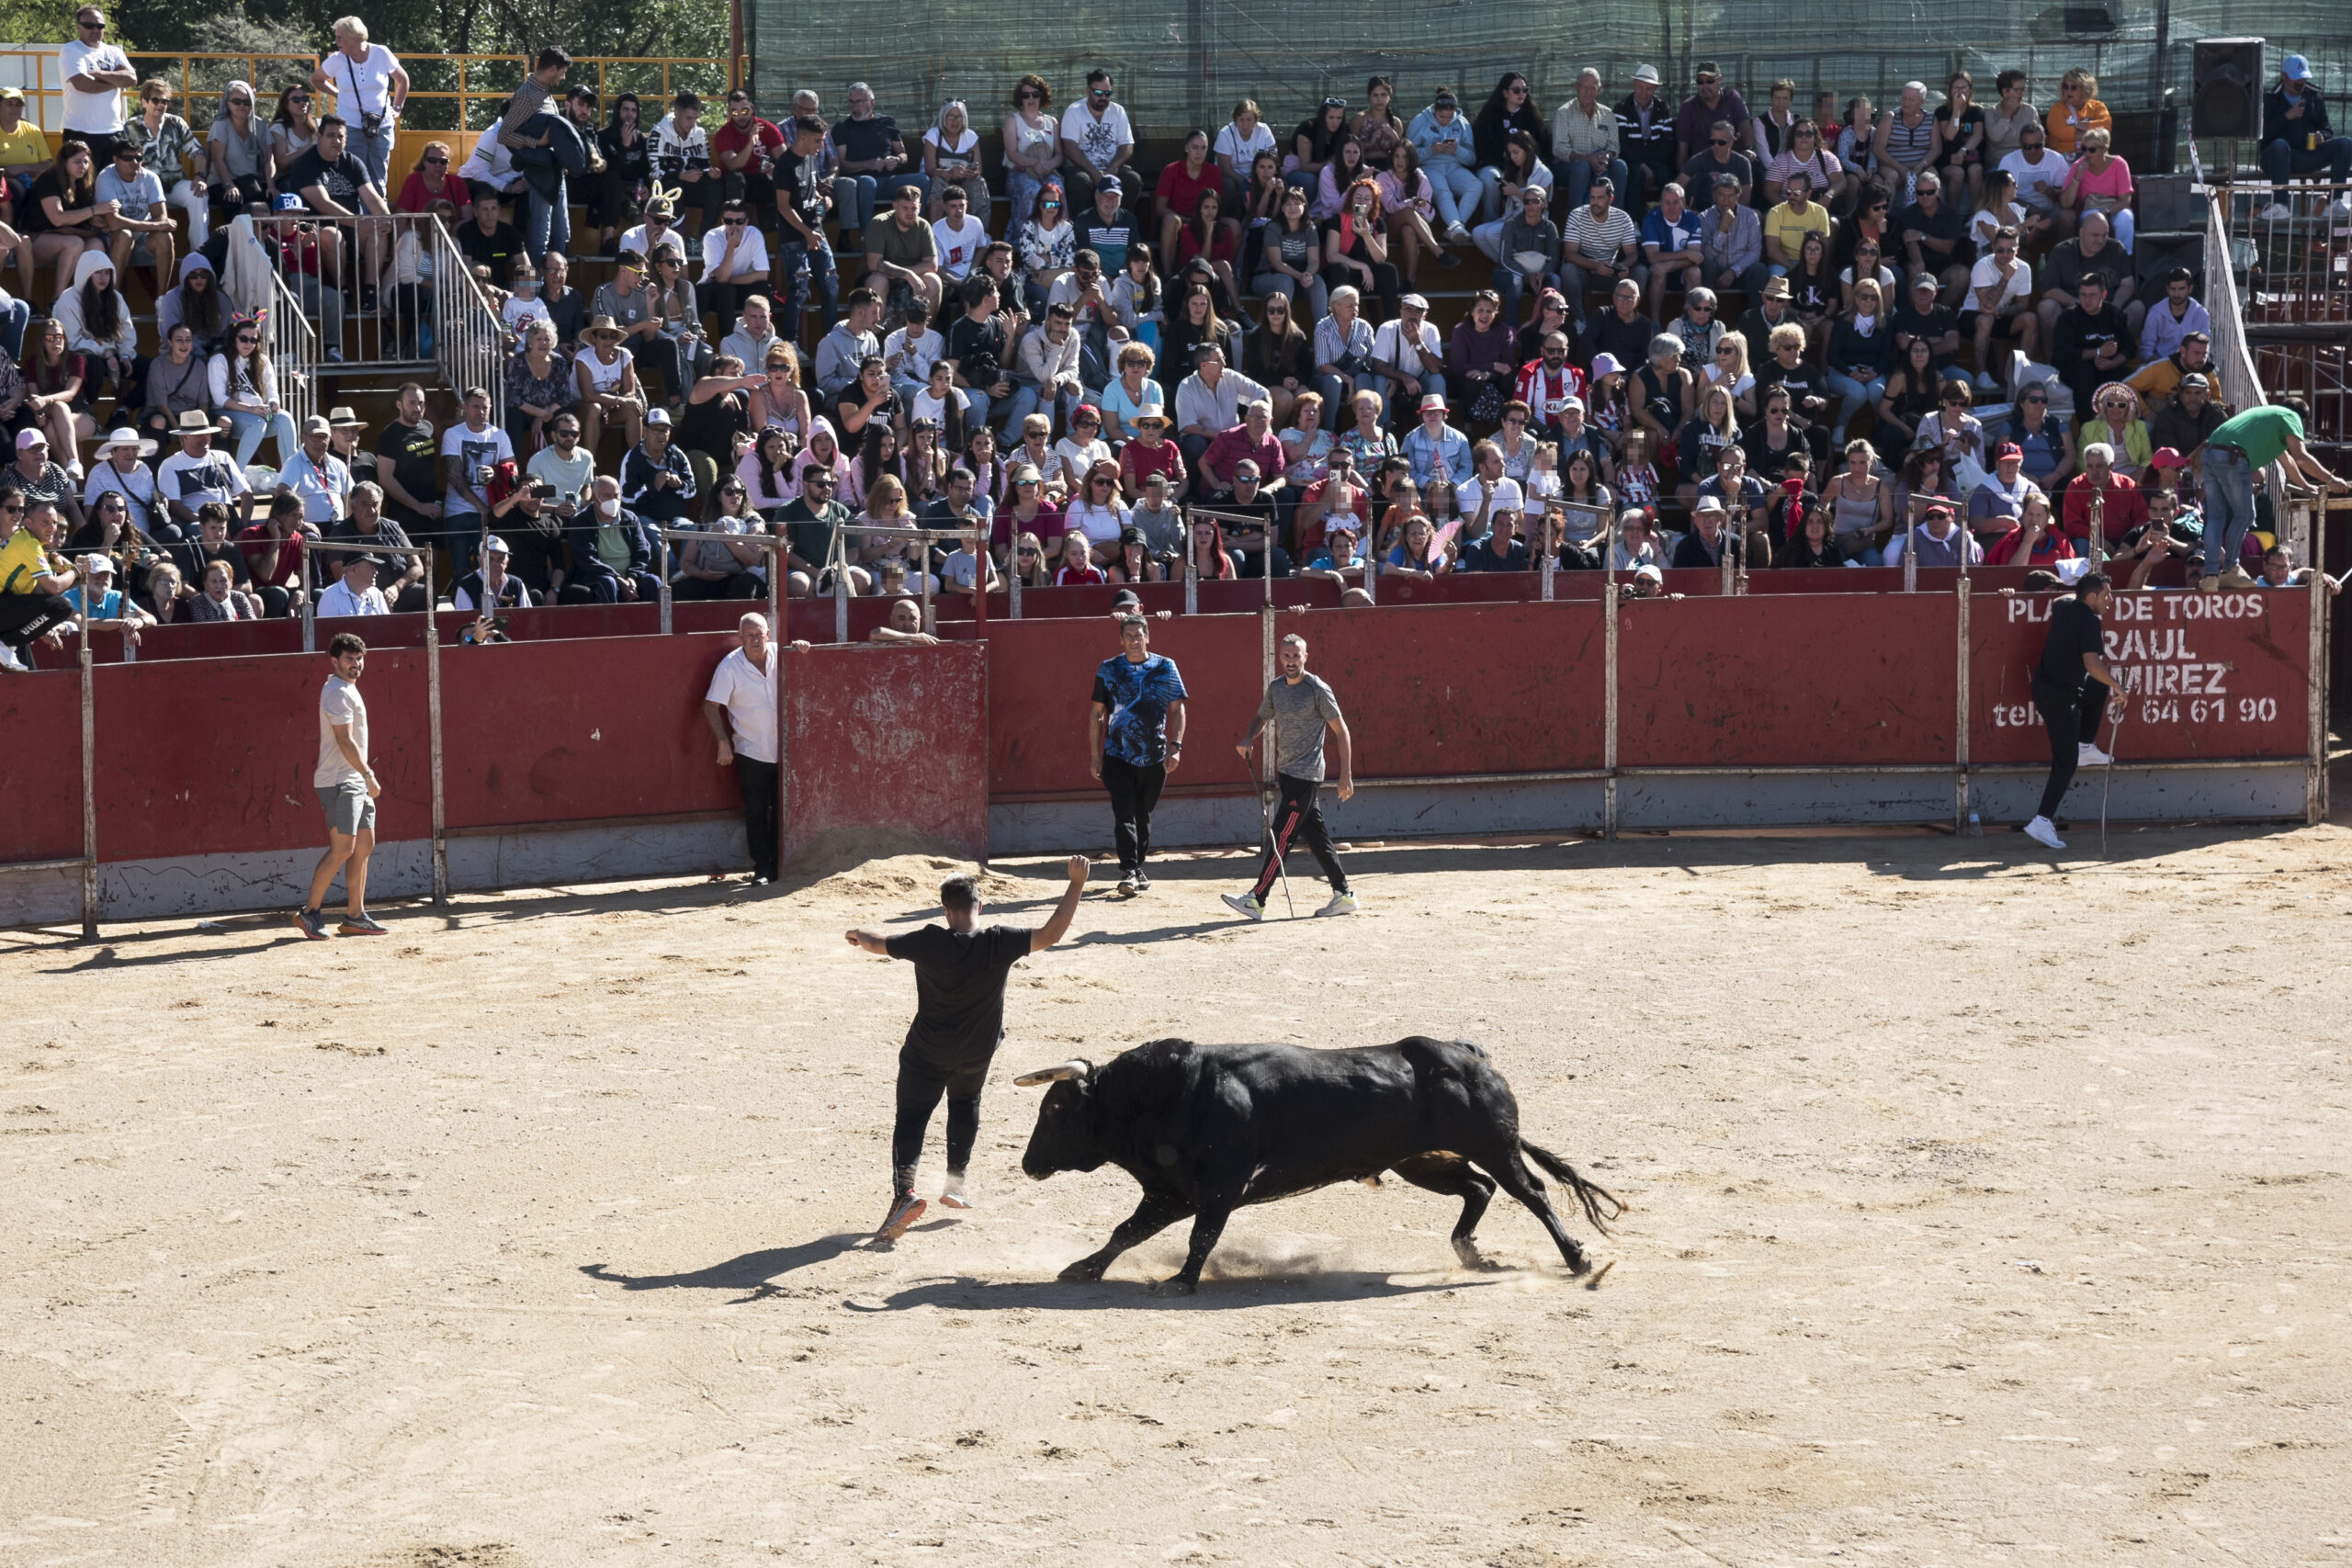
(1488, 407)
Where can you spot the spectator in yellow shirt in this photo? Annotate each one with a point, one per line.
(1791, 220)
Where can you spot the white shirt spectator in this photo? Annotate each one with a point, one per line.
(750, 253)
(491, 164)
(1987, 272)
(748, 693)
(675, 151)
(1101, 525)
(97, 113)
(1078, 459)
(192, 481)
(1596, 239)
(935, 409)
(339, 600)
(1098, 139)
(517, 310)
(323, 490)
(959, 248)
(1390, 345)
(1229, 144)
(918, 356)
(486, 447)
(137, 489)
(361, 87)
(1473, 491)
(2037, 184)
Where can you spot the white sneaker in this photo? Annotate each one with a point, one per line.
(1456, 234)
(9, 661)
(904, 1211)
(1340, 904)
(1985, 382)
(1127, 886)
(1243, 905)
(2042, 833)
(2089, 755)
(956, 1194)
(2278, 212)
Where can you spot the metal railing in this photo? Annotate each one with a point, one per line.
(391, 292)
(447, 92)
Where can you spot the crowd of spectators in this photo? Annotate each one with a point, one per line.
(1834, 337)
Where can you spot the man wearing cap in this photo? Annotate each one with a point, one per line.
(1106, 228)
(2241, 448)
(317, 475)
(1408, 354)
(901, 252)
(1732, 237)
(1436, 449)
(36, 478)
(195, 473)
(1645, 137)
(2001, 496)
(1938, 541)
(364, 530)
(1135, 740)
(491, 587)
(1704, 544)
(656, 480)
(2297, 140)
(117, 466)
(1449, 156)
(2187, 419)
(1923, 315)
(109, 610)
(354, 593)
(24, 150)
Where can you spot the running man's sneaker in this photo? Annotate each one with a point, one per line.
(2089, 755)
(311, 924)
(1340, 904)
(2042, 833)
(956, 1194)
(361, 925)
(904, 1211)
(1143, 881)
(1128, 888)
(1243, 905)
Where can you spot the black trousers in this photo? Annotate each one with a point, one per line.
(1299, 815)
(2072, 718)
(921, 1081)
(758, 783)
(1134, 792)
(25, 618)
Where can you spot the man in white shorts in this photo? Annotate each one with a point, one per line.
(347, 789)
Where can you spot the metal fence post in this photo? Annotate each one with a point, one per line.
(432, 730)
(310, 601)
(1609, 704)
(777, 638)
(1961, 714)
(665, 586)
(2315, 680)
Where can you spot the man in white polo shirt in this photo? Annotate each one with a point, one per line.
(97, 74)
(739, 706)
(354, 593)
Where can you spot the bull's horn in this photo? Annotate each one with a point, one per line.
(1076, 1067)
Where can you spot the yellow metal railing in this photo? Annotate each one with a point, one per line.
(476, 84)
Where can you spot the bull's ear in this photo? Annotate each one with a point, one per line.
(1076, 1067)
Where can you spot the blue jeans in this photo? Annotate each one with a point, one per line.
(859, 194)
(1511, 284)
(1023, 403)
(249, 428)
(374, 152)
(550, 223)
(795, 261)
(12, 329)
(1852, 395)
(1576, 174)
(2229, 504)
(2283, 163)
(1490, 194)
(1451, 185)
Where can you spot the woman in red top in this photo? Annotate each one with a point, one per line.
(431, 181)
(1076, 569)
(274, 552)
(1181, 186)
(1211, 235)
(1150, 453)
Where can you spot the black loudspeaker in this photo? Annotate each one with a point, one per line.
(2165, 204)
(2228, 73)
(2154, 254)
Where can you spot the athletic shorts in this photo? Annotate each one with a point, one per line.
(349, 810)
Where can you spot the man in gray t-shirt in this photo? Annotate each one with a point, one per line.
(348, 787)
(1299, 709)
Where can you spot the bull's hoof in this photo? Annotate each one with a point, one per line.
(1177, 1286)
(1085, 1272)
(1578, 1266)
(1477, 1262)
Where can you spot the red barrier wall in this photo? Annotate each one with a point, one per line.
(200, 756)
(2209, 675)
(41, 767)
(1041, 678)
(1841, 679)
(894, 737)
(1456, 689)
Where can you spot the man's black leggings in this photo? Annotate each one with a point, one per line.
(920, 1083)
(1134, 792)
(1299, 815)
(25, 618)
(2072, 718)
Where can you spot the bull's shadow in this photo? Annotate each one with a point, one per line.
(963, 1292)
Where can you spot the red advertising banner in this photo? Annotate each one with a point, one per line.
(2207, 675)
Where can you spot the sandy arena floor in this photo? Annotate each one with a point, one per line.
(537, 1235)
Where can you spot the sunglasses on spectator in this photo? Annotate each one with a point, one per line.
(733, 493)
(821, 482)
(1703, 309)
(737, 222)
(300, 98)
(1030, 95)
(247, 337)
(1722, 140)
(1100, 93)
(438, 158)
(2034, 397)
(1514, 418)
(1025, 554)
(564, 430)
(241, 103)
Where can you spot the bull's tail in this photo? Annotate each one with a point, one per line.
(1590, 1195)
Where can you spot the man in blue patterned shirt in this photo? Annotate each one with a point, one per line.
(1137, 738)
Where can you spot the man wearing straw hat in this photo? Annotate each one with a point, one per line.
(117, 466)
(196, 474)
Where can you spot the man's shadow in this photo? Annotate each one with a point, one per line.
(754, 1271)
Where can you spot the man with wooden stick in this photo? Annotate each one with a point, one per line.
(1299, 709)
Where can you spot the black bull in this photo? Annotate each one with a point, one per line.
(1206, 1129)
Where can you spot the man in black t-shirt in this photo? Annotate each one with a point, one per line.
(2070, 687)
(1934, 237)
(485, 241)
(408, 464)
(334, 182)
(960, 970)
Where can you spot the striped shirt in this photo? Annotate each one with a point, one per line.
(1598, 238)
